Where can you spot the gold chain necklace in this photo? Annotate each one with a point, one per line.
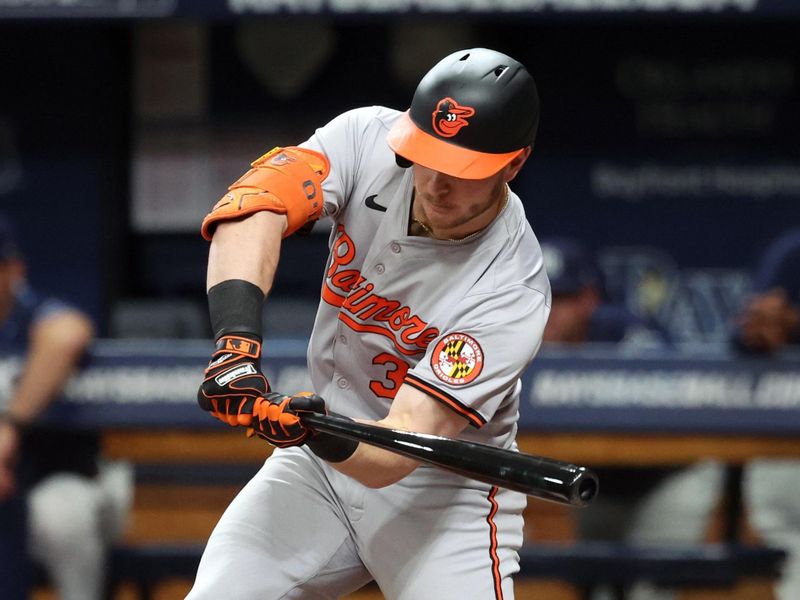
(429, 231)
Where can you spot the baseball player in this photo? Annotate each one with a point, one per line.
(433, 303)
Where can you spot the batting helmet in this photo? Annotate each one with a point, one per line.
(472, 113)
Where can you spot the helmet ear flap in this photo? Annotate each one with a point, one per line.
(402, 162)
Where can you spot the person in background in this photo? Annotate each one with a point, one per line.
(770, 321)
(55, 499)
(669, 505)
(768, 324)
(579, 313)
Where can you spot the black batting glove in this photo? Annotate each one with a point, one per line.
(233, 380)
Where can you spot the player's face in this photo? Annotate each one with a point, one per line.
(454, 207)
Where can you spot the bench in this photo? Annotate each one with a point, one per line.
(589, 564)
(583, 564)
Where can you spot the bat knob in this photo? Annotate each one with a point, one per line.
(587, 486)
(587, 490)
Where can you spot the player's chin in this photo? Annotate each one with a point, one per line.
(440, 211)
(446, 217)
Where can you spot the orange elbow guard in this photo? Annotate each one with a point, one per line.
(287, 181)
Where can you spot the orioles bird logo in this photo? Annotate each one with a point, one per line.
(282, 159)
(449, 117)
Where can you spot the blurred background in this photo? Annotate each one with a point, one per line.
(667, 141)
(668, 146)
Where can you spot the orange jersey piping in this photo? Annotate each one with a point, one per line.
(496, 577)
(474, 417)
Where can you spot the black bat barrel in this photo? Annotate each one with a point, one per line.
(532, 475)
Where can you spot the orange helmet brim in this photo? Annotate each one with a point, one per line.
(414, 144)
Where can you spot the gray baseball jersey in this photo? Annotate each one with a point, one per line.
(458, 320)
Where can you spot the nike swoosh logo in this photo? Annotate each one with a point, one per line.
(370, 202)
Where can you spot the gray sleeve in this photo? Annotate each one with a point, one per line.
(344, 141)
(482, 351)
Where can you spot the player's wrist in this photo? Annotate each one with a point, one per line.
(244, 345)
(235, 308)
(330, 447)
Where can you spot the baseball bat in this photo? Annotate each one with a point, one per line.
(536, 476)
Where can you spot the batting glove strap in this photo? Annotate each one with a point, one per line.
(233, 380)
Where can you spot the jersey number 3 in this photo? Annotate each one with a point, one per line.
(396, 369)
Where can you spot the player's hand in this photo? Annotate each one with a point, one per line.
(233, 381)
(276, 417)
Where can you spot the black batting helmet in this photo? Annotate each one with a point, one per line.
(472, 113)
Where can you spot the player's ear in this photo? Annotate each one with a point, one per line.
(512, 168)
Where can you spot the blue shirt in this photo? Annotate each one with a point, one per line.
(29, 307)
(780, 267)
(45, 450)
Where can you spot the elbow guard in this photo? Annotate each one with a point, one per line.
(287, 181)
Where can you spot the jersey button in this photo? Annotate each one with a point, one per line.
(342, 383)
(343, 340)
(395, 247)
(379, 269)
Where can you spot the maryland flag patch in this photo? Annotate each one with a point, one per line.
(457, 359)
